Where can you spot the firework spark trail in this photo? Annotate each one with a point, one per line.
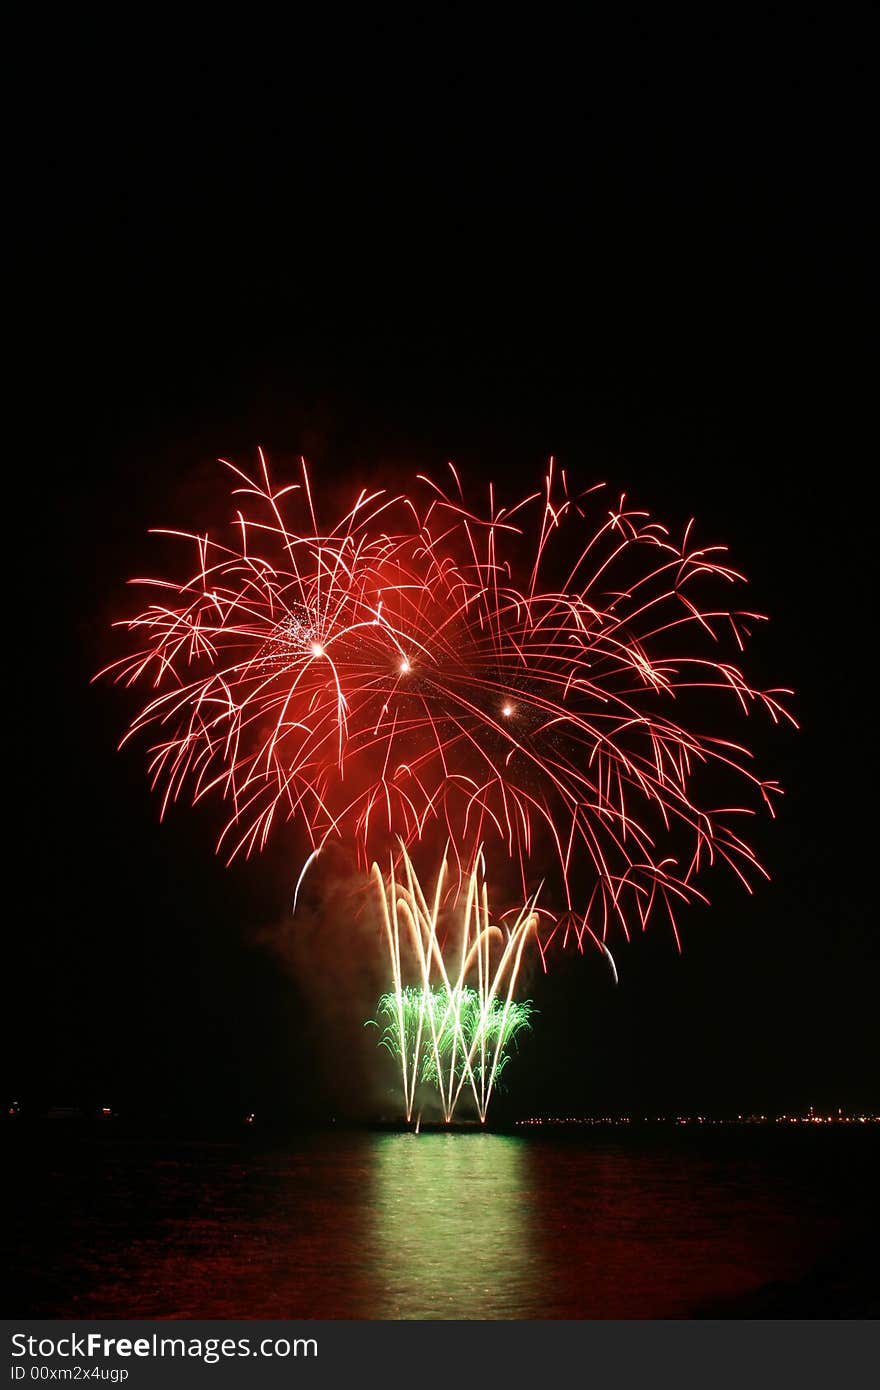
(471, 1027)
(427, 670)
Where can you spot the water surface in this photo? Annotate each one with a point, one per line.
(363, 1225)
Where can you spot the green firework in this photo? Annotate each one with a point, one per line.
(448, 1036)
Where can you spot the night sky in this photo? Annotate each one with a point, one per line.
(642, 251)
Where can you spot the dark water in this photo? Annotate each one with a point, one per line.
(360, 1225)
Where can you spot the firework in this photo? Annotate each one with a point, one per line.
(464, 1025)
(452, 1035)
(550, 679)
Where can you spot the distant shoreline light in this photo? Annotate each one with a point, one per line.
(810, 1119)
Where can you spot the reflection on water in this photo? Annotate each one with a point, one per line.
(449, 1232)
(432, 1226)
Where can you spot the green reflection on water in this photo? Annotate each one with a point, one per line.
(452, 1227)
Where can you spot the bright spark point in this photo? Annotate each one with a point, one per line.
(404, 666)
(507, 711)
(317, 649)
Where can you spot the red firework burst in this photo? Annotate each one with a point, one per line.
(523, 675)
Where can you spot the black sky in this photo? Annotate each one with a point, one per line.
(642, 250)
